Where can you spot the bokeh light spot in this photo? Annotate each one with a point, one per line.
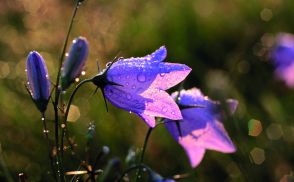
(266, 14)
(257, 155)
(274, 132)
(288, 133)
(74, 113)
(254, 127)
(233, 170)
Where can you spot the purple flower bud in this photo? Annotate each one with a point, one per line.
(73, 65)
(38, 80)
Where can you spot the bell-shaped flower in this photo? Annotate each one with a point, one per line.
(201, 127)
(38, 80)
(283, 57)
(138, 85)
(75, 61)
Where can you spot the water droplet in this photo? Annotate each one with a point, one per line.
(28, 83)
(134, 86)
(77, 80)
(129, 96)
(144, 169)
(62, 125)
(26, 70)
(42, 119)
(130, 112)
(164, 109)
(105, 149)
(45, 131)
(83, 73)
(108, 64)
(162, 74)
(173, 113)
(141, 78)
(74, 41)
(47, 76)
(66, 54)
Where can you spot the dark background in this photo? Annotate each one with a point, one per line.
(224, 42)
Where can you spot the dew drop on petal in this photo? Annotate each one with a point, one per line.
(134, 86)
(129, 96)
(173, 113)
(130, 112)
(26, 70)
(77, 79)
(164, 109)
(66, 54)
(141, 77)
(83, 73)
(162, 74)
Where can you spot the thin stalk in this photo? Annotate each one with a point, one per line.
(46, 131)
(143, 151)
(63, 129)
(57, 94)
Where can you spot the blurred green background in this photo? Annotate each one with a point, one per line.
(224, 42)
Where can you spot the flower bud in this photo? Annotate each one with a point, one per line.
(74, 63)
(38, 80)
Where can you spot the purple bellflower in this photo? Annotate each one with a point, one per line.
(38, 80)
(201, 127)
(138, 85)
(283, 57)
(75, 61)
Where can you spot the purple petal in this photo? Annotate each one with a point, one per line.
(201, 128)
(283, 57)
(161, 105)
(157, 56)
(149, 120)
(139, 76)
(125, 100)
(232, 105)
(147, 105)
(195, 154)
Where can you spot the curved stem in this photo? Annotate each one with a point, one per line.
(63, 128)
(57, 94)
(143, 151)
(46, 131)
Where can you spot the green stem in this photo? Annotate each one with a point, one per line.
(143, 151)
(64, 127)
(46, 131)
(57, 94)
